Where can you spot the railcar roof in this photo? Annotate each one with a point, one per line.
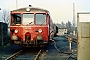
(32, 9)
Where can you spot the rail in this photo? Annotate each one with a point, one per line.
(71, 38)
(14, 55)
(37, 56)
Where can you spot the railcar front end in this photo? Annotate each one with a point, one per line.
(29, 28)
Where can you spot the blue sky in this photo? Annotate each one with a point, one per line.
(60, 10)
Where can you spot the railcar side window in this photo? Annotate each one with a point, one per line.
(28, 19)
(15, 19)
(41, 19)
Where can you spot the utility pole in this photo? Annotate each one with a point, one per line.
(57, 21)
(16, 4)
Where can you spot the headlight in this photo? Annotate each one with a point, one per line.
(40, 30)
(28, 9)
(39, 37)
(14, 37)
(16, 31)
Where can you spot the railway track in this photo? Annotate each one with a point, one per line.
(13, 55)
(25, 55)
(73, 39)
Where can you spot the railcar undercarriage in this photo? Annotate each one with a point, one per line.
(28, 43)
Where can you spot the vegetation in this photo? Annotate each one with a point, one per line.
(5, 16)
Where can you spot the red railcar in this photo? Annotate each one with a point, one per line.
(31, 26)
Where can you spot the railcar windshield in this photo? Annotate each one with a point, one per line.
(41, 19)
(28, 19)
(15, 19)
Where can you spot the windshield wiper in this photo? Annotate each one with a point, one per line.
(31, 22)
(43, 22)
